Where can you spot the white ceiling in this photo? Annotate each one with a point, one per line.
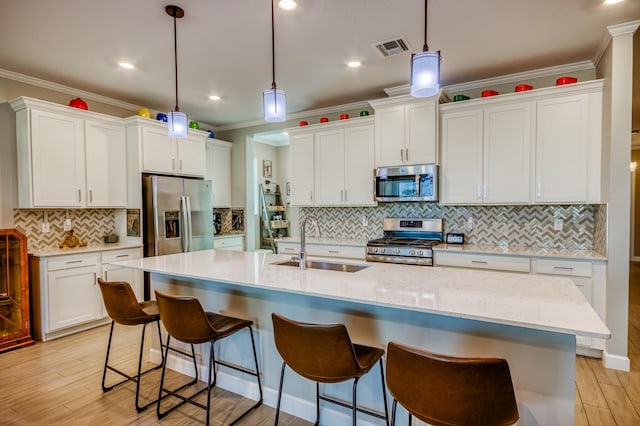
(224, 46)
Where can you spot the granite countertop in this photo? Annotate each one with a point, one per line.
(523, 251)
(524, 300)
(55, 251)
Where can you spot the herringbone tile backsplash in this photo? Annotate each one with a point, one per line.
(89, 225)
(584, 226)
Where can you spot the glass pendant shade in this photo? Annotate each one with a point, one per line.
(177, 124)
(274, 104)
(425, 74)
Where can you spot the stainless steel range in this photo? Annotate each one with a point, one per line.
(406, 240)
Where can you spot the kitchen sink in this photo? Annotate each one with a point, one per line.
(327, 266)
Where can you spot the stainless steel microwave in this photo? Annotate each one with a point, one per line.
(406, 183)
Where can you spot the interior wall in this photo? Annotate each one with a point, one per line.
(635, 252)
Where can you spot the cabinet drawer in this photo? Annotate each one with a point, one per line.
(288, 248)
(226, 243)
(564, 267)
(120, 255)
(479, 261)
(73, 261)
(346, 252)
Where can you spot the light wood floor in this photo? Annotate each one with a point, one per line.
(58, 383)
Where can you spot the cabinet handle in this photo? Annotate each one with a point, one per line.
(73, 261)
(479, 191)
(122, 255)
(345, 195)
(562, 268)
(91, 195)
(406, 154)
(480, 262)
(173, 164)
(310, 195)
(486, 192)
(334, 251)
(539, 191)
(180, 165)
(289, 249)
(401, 155)
(79, 196)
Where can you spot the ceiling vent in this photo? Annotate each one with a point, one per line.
(393, 47)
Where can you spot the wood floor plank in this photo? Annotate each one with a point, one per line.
(587, 384)
(599, 416)
(620, 406)
(601, 373)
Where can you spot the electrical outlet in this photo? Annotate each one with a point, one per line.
(67, 225)
(470, 222)
(45, 227)
(558, 224)
(365, 220)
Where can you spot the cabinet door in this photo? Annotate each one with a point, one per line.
(159, 151)
(106, 165)
(389, 138)
(74, 297)
(57, 156)
(219, 172)
(562, 149)
(302, 169)
(329, 167)
(131, 276)
(359, 165)
(420, 133)
(461, 172)
(507, 153)
(191, 156)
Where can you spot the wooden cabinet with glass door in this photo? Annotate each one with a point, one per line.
(14, 291)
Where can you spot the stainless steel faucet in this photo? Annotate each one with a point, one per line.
(303, 251)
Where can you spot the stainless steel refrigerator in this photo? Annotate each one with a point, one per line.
(178, 215)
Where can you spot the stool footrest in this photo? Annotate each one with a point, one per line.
(349, 406)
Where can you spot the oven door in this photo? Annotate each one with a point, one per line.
(408, 183)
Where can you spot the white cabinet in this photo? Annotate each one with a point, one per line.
(229, 242)
(332, 164)
(116, 273)
(65, 292)
(344, 164)
(590, 278)
(542, 146)
(568, 149)
(68, 157)
(405, 131)
(302, 169)
(218, 171)
(486, 154)
(482, 261)
(158, 153)
(341, 251)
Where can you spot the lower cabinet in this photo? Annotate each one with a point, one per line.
(355, 252)
(589, 276)
(234, 242)
(66, 297)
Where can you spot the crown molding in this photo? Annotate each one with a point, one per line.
(622, 29)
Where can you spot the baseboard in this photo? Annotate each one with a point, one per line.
(248, 388)
(616, 362)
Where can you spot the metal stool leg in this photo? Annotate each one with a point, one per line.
(384, 393)
(394, 405)
(284, 364)
(355, 401)
(317, 404)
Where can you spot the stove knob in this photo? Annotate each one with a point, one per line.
(397, 251)
(412, 252)
(419, 252)
(380, 250)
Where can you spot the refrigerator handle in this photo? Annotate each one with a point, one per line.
(189, 224)
(184, 239)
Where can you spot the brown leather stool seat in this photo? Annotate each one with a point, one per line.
(324, 353)
(444, 390)
(123, 308)
(185, 320)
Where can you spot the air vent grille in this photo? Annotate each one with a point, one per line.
(392, 47)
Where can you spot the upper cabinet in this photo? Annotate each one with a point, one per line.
(542, 146)
(405, 131)
(159, 153)
(218, 171)
(332, 164)
(68, 158)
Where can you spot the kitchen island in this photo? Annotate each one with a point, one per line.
(530, 320)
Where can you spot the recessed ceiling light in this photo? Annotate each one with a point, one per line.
(126, 65)
(610, 2)
(287, 4)
(354, 64)
(284, 132)
(214, 97)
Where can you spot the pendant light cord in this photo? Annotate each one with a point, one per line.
(425, 48)
(273, 50)
(175, 56)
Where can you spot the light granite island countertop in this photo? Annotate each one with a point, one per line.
(530, 320)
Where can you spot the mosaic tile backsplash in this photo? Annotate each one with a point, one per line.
(584, 226)
(89, 225)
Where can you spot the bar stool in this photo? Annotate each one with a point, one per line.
(185, 320)
(444, 390)
(123, 308)
(324, 353)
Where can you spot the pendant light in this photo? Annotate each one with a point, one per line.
(274, 100)
(425, 68)
(176, 120)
